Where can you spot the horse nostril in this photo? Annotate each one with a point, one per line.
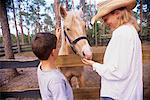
(83, 53)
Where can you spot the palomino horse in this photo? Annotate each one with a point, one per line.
(74, 35)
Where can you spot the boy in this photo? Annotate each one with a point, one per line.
(52, 83)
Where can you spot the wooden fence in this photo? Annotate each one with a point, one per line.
(91, 93)
(23, 47)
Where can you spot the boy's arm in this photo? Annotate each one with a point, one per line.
(58, 35)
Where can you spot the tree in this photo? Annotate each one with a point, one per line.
(21, 20)
(143, 9)
(58, 19)
(83, 4)
(67, 8)
(141, 15)
(35, 15)
(6, 34)
(17, 37)
(5, 30)
(25, 13)
(48, 23)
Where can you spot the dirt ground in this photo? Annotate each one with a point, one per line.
(27, 78)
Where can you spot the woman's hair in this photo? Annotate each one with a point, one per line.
(126, 16)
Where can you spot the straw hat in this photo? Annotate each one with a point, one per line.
(107, 6)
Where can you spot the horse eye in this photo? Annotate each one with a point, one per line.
(68, 29)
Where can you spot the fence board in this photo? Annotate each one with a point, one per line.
(62, 61)
(79, 93)
(18, 94)
(24, 48)
(18, 64)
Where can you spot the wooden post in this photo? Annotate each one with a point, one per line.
(141, 15)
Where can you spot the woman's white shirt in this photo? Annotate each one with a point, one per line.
(121, 71)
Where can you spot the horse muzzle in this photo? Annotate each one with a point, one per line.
(87, 52)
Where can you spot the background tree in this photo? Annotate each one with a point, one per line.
(48, 23)
(35, 14)
(17, 36)
(143, 9)
(57, 17)
(21, 21)
(6, 34)
(5, 30)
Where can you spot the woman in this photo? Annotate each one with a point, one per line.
(121, 71)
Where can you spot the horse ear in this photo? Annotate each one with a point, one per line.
(81, 11)
(62, 12)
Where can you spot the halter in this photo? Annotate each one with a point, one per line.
(73, 43)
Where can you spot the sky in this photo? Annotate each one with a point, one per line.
(48, 2)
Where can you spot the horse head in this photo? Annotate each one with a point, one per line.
(74, 31)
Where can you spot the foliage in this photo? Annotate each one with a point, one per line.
(37, 15)
(146, 12)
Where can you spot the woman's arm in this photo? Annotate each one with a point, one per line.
(121, 57)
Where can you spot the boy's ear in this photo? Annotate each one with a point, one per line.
(62, 11)
(53, 52)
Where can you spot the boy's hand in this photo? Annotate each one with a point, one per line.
(87, 62)
(58, 33)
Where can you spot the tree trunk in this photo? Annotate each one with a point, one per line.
(58, 19)
(73, 5)
(67, 8)
(17, 36)
(21, 26)
(6, 35)
(58, 22)
(6, 31)
(38, 18)
(82, 3)
(141, 15)
(90, 8)
(29, 41)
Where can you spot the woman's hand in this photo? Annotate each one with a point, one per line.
(87, 62)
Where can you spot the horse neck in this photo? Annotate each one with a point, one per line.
(64, 46)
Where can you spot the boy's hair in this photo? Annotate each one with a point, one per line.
(43, 44)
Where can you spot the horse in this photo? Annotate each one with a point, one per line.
(74, 36)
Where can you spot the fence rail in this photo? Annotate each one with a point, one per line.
(62, 61)
(86, 93)
(23, 47)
